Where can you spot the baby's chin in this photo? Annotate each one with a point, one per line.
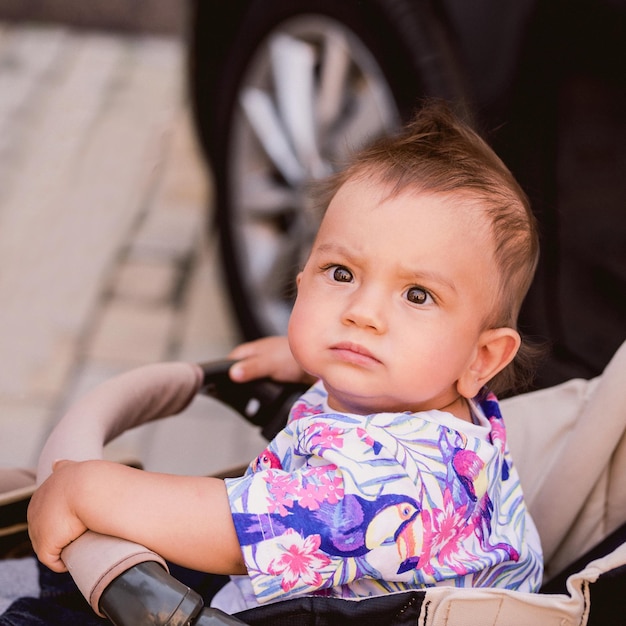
(357, 404)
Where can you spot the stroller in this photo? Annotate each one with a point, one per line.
(568, 442)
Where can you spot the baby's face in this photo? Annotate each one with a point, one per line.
(392, 301)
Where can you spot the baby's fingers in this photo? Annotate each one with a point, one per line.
(60, 464)
(248, 369)
(255, 359)
(47, 553)
(52, 561)
(267, 357)
(52, 523)
(244, 350)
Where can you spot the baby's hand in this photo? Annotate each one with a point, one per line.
(52, 522)
(266, 357)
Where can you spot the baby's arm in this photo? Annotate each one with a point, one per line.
(267, 357)
(64, 507)
(187, 520)
(184, 519)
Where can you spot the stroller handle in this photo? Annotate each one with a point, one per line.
(108, 570)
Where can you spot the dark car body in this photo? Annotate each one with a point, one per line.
(543, 80)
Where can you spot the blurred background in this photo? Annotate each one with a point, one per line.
(106, 259)
(154, 158)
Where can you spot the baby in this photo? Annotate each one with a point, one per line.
(393, 471)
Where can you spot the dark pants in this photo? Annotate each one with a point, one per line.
(61, 604)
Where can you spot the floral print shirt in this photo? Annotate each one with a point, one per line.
(351, 506)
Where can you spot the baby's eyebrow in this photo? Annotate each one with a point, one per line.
(335, 248)
(330, 247)
(427, 278)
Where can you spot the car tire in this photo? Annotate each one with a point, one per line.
(270, 121)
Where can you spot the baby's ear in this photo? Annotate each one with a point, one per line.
(496, 348)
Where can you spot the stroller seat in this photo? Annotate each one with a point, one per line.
(568, 443)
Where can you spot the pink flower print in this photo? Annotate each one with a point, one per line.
(327, 437)
(317, 471)
(309, 497)
(451, 530)
(281, 481)
(301, 409)
(278, 504)
(282, 490)
(331, 488)
(300, 560)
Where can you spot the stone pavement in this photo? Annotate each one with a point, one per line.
(106, 262)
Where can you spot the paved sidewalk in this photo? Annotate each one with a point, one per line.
(105, 257)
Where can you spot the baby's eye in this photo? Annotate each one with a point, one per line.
(340, 274)
(417, 295)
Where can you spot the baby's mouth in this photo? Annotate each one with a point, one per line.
(354, 353)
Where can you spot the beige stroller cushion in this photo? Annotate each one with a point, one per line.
(569, 445)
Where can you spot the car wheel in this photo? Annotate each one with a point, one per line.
(300, 85)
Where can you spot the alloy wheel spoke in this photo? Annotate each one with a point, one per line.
(350, 134)
(265, 121)
(333, 79)
(260, 197)
(293, 65)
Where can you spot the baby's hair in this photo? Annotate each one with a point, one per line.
(438, 153)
